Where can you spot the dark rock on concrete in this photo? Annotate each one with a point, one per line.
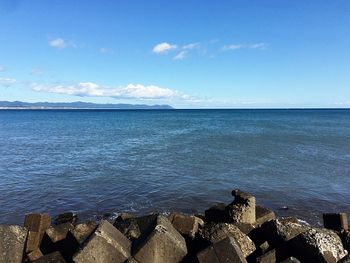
(263, 215)
(345, 259)
(345, 238)
(242, 209)
(83, 230)
(268, 257)
(290, 260)
(336, 221)
(12, 243)
(282, 230)
(161, 243)
(318, 245)
(54, 257)
(68, 217)
(217, 213)
(186, 225)
(225, 250)
(106, 245)
(59, 232)
(217, 232)
(133, 227)
(34, 255)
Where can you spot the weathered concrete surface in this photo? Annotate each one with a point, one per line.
(162, 243)
(54, 257)
(12, 243)
(224, 251)
(217, 232)
(106, 245)
(37, 222)
(281, 230)
(217, 213)
(37, 225)
(336, 221)
(186, 225)
(35, 255)
(33, 240)
(82, 231)
(59, 232)
(242, 209)
(318, 245)
(263, 215)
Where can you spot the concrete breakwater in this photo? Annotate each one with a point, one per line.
(237, 232)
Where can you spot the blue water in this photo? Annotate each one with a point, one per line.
(96, 162)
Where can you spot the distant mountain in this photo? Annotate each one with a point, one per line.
(77, 105)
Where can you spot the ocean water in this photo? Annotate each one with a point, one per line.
(94, 162)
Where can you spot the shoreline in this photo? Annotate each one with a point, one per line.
(240, 231)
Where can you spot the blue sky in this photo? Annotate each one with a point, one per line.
(190, 54)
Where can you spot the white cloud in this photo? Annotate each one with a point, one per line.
(245, 46)
(163, 48)
(57, 43)
(90, 89)
(191, 46)
(37, 72)
(104, 50)
(7, 82)
(181, 55)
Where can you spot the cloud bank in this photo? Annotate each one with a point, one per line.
(245, 46)
(131, 91)
(7, 82)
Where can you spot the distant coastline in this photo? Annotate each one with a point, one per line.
(13, 105)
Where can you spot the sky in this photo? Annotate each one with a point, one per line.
(186, 53)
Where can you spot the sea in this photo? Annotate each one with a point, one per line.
(103, 162)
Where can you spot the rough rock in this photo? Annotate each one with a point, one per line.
(336, 221)
(186, 225)
(68, 217)
(242, 209)
(224, 251)
(34, 255)
(82, 231)
(318, 245)
(54, 257)
(133, 227)
(106, 245)
(217, 213)
(217, 232)
(12, 243)
(281, 230)
(263, 215)
(160, 243)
